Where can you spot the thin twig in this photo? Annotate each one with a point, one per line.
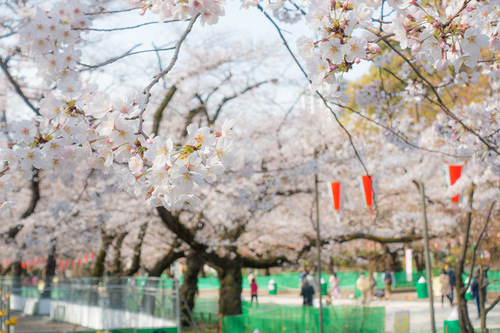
(409, 143)
(124, 28)
(474, 250)
(440, 102)
(5, 69)
(126, 54)
(158, 76)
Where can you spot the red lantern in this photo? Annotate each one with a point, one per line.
(336, 195)
(66, 265)
(23, 265)
(91, 255)
(61, 265)
(453, 173)
(368, 188)
(39, 260)
(86, 259)
(72, 264)
(79, 262)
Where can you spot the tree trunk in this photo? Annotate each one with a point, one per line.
(136, 259)
(116, 268)
(230, 280)
(463, 313)
(101, 256)
(189, 287)
(50, 272)
(165, 262)
(418, 255)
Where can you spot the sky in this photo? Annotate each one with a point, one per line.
(239, 25)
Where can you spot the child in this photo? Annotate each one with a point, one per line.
(253, 290)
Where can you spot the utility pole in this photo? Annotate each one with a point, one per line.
(427, 256)
(177, 286)
(318, 245)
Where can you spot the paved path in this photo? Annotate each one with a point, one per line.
(30, 324)
(419, 311)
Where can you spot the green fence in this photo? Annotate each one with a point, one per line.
(281, 318)
(289, 281)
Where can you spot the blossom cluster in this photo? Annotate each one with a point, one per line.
(337, 48)
(209, 10)
(80, 125)
(436, 40)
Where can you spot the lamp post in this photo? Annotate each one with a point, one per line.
(318, 245)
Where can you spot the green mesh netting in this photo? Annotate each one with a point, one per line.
(280, 318)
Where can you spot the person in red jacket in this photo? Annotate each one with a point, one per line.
(253, 290)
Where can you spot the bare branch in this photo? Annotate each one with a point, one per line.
(126, 54)
(5, 69)
(158, 76)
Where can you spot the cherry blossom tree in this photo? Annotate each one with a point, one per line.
(443, 47)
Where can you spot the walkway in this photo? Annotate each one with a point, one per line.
(30, 324)
(419, 311)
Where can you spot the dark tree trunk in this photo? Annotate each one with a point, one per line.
(18, 269)
(165, 262)
(50, 272)
(230, 280)
(418, 255)
(99, 262)
(35, 194)
(463, 313)
(189, 287)
(391, 259)
(136, 259)
(116, 268)
(100, 259)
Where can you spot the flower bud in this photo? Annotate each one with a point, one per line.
(373, 48)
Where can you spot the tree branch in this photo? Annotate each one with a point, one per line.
(14, 83)
(158, 76)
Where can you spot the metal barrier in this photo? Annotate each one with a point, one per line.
(108, 303)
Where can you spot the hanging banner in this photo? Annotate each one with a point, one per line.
(336, 188)
(409, 264)
(337, 197)
(453, 173)
(368, 189)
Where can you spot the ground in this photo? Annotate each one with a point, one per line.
(418, 309)
(30, 324)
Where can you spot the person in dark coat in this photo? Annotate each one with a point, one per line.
(307, 292)
(475, 291)
(453, 281)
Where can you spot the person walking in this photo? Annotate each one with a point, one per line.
(387, 284)
(307, 292)
(334, 287)
(363, 285)
(253, 291)
(475, 291)
(445, 287)
(453, 281)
